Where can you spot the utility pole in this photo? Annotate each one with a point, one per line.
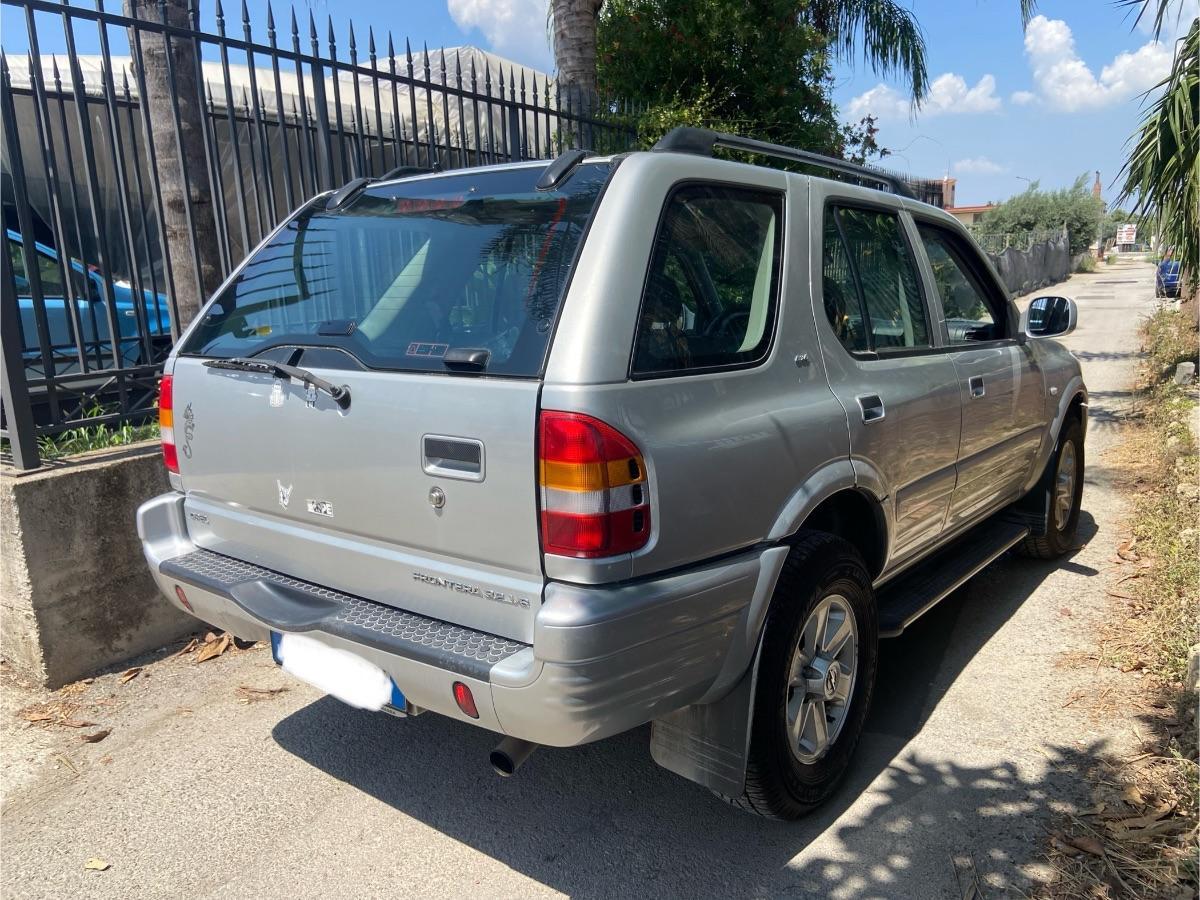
(1100, 218)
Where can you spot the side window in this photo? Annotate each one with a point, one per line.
(871, 292)
(712, 290)
(972, 312)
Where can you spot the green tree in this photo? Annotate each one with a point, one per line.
(761, 68)
(1038, 210)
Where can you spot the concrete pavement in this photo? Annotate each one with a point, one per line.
(973, 744)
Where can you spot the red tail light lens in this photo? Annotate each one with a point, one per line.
(593, 488)
(166, 423)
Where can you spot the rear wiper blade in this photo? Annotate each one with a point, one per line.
(339, 394)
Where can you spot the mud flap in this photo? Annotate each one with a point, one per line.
(708, 743)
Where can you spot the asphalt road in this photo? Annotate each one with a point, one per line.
(974, 742)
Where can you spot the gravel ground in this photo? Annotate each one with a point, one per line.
(976, 739)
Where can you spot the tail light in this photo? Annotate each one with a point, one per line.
(593, 481)
(166, 424)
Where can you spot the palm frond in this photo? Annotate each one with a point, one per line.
(1162, 172)
(886, 33)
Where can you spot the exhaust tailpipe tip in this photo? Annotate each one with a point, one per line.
(509, 755)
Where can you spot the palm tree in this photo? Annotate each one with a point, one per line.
(887, 33)
(170, 87)
(1162, 171)
(574, 28)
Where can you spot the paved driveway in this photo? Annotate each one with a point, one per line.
(974, 740)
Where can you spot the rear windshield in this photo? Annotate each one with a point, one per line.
(408, 271)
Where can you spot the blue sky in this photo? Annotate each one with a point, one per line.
(1045, 105)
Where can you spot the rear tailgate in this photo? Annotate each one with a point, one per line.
(344, 499)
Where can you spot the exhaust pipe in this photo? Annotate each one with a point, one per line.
(509, 755)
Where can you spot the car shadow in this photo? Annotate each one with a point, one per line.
(602, 820)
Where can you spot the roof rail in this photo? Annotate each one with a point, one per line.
(702, 141)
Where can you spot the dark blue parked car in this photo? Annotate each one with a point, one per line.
(1166, 280)
(90, 295)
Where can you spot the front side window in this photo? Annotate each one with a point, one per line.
(870, 289)
(713, 286)
(408, 271)
(970, 310)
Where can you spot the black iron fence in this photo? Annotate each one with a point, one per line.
(89, 301)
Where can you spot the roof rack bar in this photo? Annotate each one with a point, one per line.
(702, 142)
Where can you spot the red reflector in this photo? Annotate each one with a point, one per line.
(183, 599)
(462, 696)
(171, 458)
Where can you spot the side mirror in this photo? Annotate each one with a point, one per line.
(1050, 317)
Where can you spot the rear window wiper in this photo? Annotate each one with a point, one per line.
(339, 394)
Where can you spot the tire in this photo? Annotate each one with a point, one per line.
(821, 572)
(1063, 521)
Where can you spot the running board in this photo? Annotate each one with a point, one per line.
(903, 601)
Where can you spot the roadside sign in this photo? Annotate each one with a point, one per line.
(1126, 234)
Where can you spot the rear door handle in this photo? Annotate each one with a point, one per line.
(871, 407)
(976, 385)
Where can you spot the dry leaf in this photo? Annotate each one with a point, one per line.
(209, 637)
(1086, 844)
(1133, 796)
(129, 674)
(96, 864)
(214, 648)
(191, 645)
(96, 737)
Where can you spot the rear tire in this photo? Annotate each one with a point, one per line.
(1064, 480)
(815, 678)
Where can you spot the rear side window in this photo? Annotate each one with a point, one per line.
(973, 313)
(870, 289)
(408, 271)
(712, 290)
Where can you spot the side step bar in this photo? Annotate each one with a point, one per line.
(911, 595)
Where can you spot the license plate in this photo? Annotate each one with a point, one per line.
(339, 673)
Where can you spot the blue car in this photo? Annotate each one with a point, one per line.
(95, 333)
(1166, 279)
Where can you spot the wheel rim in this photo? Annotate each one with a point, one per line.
(1064, 486)
(821, 677)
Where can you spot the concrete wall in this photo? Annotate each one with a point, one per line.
(75, 593)
(1022, 271)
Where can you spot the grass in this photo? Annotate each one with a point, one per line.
(1140, 837)
(1164, 520)
(91, 437)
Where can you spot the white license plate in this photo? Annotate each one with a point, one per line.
(337, 672)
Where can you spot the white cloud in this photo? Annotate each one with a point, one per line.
(948, 95)
(978, 165)
(513, 28)
(1066, 83)
(1022, 98)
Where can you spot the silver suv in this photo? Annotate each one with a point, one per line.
(559, 449)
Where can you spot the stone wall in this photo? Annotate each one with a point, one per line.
(75, 593)
(1022, 271)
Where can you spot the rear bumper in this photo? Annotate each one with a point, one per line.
(604, 658)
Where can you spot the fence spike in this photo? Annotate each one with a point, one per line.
(353, 46)
(220, 18)
(371, 45)
(270, 21)
(312, 28)
(331, 37)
